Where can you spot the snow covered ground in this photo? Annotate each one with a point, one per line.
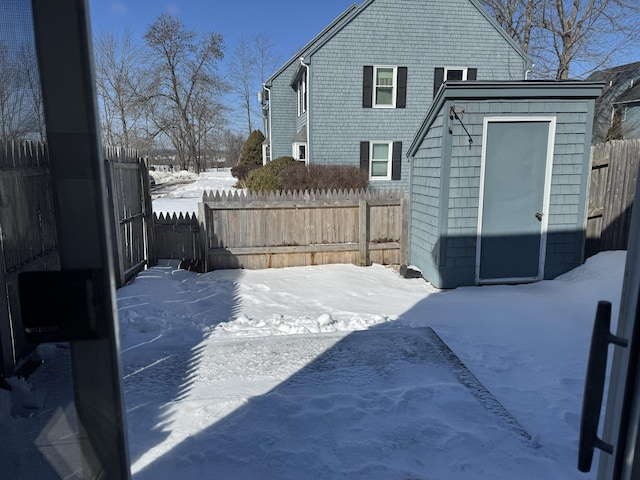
(332, 372)
(185, 189)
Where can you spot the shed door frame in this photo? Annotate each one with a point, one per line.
(551, 120)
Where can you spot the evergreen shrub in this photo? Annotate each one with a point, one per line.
(265, 178)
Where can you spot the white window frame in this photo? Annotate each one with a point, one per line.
(394, 86)
(451, 69)
(301, 95)
(266, 153)
(389, 160)
(623, 116)
(295, 151)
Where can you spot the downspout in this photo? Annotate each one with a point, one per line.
(308, 78)
(526, 74)
(269, 126)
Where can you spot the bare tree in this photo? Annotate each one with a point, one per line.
(243, 76)
(18, 113)
(183, 73)
(266, 58)
(232, 145)
(566, 35)
(121, 83)
(517, 17)
(251, 62)
(28, 65)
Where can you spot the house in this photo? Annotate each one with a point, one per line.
(617, 113)
(358, 91)
(499, 177)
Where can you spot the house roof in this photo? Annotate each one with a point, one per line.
(352, 12)
(481, 90)
(618, 82)
(632, 94)
(614, 74)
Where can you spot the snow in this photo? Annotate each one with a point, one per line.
(182, 190)
(336, 372)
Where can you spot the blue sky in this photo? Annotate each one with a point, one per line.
(290, 23)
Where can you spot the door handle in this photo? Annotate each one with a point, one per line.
(539, 216)
(594, 387)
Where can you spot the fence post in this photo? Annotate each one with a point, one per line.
(405, 216)
(203, 225)
(363, 241)
(147, 207)
(116, 239)
(7, 360)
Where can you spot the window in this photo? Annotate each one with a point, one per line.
(442, 74)
(266, 153)
(624, 113)
(299, 151)
(384, 87)
(381, 159)
(302, 94)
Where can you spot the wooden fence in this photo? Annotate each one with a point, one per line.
(129, 193)
(614, 174)
(28, 236)
(307, 228)
(176, 237)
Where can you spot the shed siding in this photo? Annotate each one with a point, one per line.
(417, 35)
(565, 236)
(425, 200)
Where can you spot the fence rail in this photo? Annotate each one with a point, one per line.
(614, 174)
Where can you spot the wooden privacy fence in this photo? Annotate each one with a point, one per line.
(305, 228)
(614, 174)
(129, 193)
(28, 237)
(176, 237)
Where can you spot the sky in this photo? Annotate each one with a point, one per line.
(291, 24)
(329, 372)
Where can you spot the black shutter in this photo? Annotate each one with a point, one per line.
(396, 161)
(367, 86)
(472, 73)
(364, 156)
(438, 79)
(401, 97)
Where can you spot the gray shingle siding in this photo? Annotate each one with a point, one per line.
(444, 215)
(416, 35)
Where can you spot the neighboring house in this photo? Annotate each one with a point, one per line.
(617, 113)
(499, 180)
(356, 94)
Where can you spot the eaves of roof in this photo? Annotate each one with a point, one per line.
(509, 89)
(630, 95)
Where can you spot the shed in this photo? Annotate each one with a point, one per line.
(499, 178)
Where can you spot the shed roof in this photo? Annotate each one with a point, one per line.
(487, 90)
